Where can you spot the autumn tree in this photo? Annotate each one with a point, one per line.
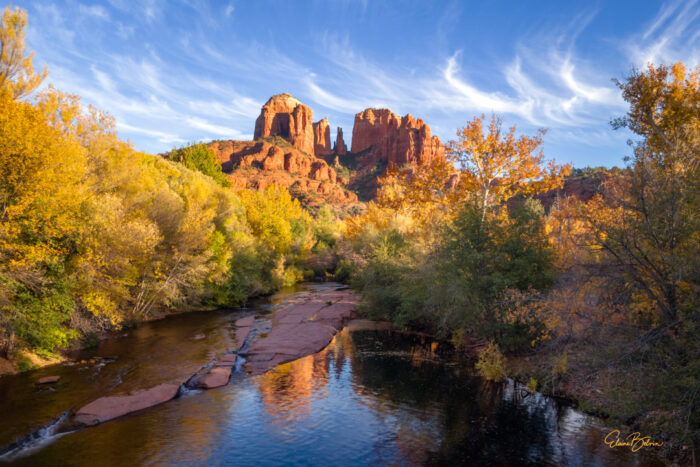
(496, 165)
(17, 75)
(648, 221)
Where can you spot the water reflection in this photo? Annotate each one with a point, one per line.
(370, 397)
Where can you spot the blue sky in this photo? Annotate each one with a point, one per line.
(181, 71)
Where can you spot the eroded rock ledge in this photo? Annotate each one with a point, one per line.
(297, 330)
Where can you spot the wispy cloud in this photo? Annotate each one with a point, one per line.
(94, 10)
(673, 35)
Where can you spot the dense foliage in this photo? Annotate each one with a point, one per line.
(583, 295)
(95, 235)
(199, 157)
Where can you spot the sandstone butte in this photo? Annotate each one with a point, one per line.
(393, 140)
(290, 150)
(283, 115)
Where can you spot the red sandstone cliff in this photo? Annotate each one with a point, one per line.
(393, 140)
(283, 115)
(322, 138)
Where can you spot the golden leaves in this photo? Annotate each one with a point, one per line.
(17, 76)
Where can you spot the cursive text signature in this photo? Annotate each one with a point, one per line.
(635, 441)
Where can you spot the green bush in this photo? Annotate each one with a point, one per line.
(199, 157)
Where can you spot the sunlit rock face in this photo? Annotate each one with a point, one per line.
(394, 140)
(257, 164)
(283, 115)
(322, 138)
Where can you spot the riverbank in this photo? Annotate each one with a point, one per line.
(253, 343)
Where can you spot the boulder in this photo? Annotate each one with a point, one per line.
(110, 407)
(216, 377)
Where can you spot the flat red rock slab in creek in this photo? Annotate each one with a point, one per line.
(287, 342)
(107, 408)
(48, 379)
(217, 376)
(298, 313)
(243, 327)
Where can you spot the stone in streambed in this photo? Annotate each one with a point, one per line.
(287, 342)
(243, 328)
(217, 376)
(226, 360)
(110, 407)
(48, 379)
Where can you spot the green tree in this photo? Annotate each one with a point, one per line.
(199, 157)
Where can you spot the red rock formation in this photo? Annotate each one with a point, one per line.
(322, 138)
(48, 380)
(107, 408)
(283, 115)
(394, 140)
(340, 147)
(257, 164)
(302, 329)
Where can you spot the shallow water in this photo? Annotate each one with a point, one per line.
(370, 397)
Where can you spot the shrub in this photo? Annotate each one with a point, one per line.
(491, 364)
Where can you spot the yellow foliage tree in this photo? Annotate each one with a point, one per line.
(496, 165)
(17, 74)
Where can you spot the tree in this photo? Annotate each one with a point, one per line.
(17, 74)
(200, 157)
(648, 221)
(497, 166)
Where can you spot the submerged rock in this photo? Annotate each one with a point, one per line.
(107, 408)
(48, 379)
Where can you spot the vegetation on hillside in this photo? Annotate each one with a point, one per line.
(95, 235)
(579, 297)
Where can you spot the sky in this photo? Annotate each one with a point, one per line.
(185, 71)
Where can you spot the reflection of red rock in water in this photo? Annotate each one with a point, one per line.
(302, 329)
(107, 408)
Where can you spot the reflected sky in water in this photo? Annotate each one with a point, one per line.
(369, 398)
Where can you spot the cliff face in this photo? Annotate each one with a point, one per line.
(256, 164)
(322, 138)
(391, 139)
(340, 148)
(283, 115)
